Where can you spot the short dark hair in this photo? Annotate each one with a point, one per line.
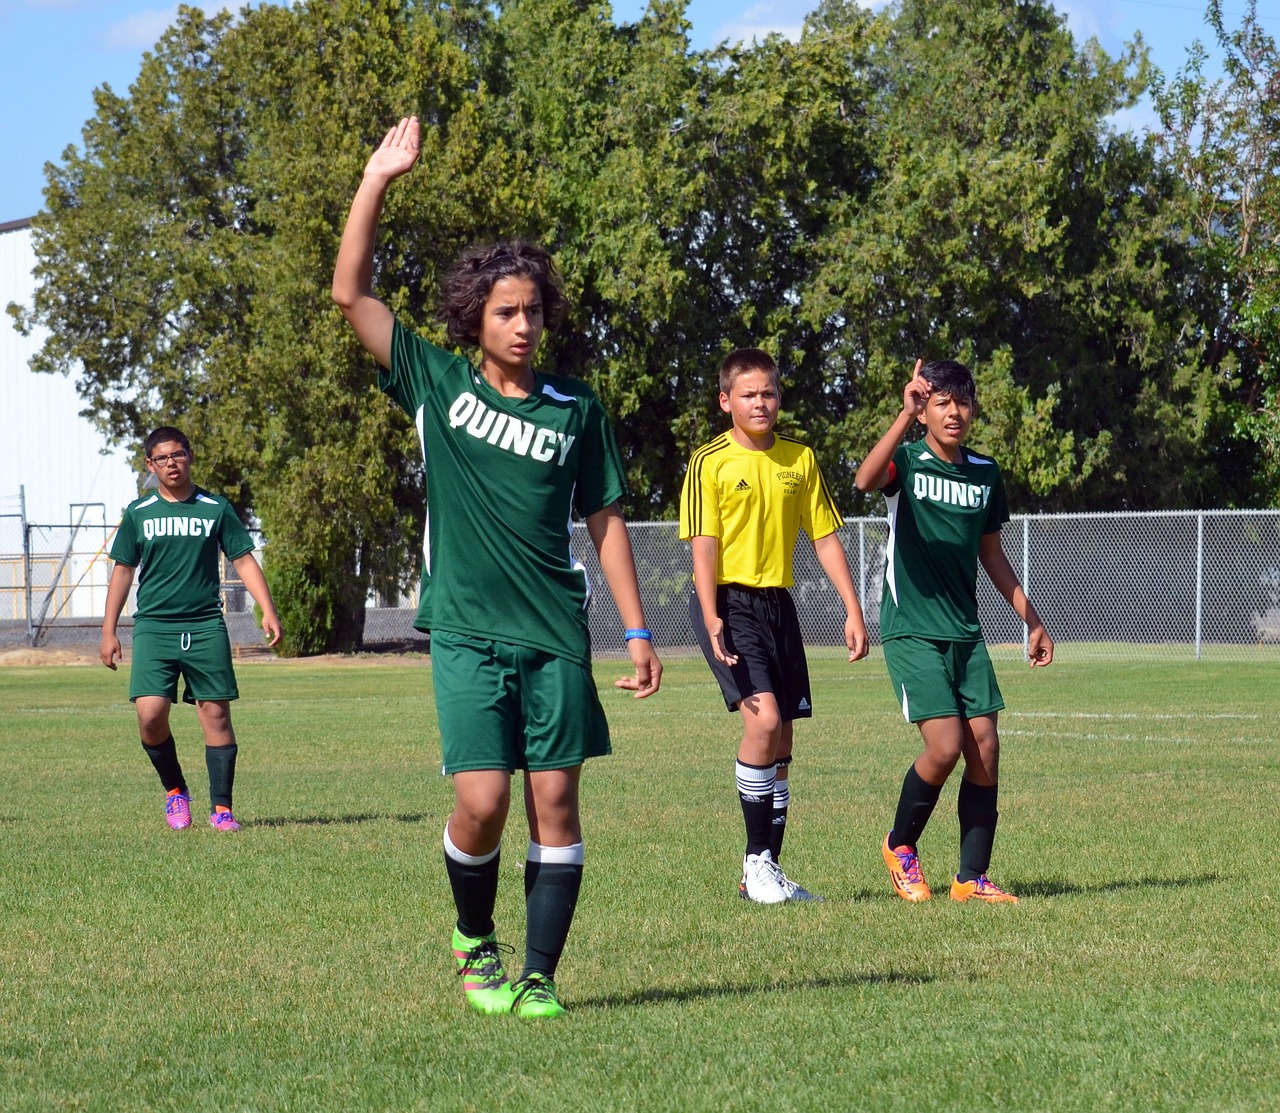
(163, 434)
(468, 285)
(743, 360)
(950, 379)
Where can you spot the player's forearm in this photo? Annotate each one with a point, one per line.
(1005, 580)
(835, 564)
(255, 583)
(353, 270)
(871, 471)
(608, 531)
(117, 595)
(706, 556)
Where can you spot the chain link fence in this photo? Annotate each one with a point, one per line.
(1165, 585)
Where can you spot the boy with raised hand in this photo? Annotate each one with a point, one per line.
(746, 496)
(175, 538)
(511, 454)
(946, 506)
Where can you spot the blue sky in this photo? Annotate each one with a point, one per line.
(54, 53)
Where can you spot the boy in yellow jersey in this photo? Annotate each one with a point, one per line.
(746, 496)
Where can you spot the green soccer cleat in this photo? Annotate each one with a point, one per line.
(536, 996)
(484, 980)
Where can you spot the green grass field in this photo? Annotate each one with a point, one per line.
(304, 963)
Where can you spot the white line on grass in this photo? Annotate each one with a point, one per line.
(1188, 715)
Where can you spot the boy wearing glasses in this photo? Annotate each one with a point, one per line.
(174, 538)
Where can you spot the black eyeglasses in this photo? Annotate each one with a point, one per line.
(176, 457)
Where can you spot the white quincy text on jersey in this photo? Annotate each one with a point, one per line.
(508, 433)
(935, 488)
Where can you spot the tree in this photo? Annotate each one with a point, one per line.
(1222, 139)
(184, 266)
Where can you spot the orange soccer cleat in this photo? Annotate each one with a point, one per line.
(904, 872)
(981, 888)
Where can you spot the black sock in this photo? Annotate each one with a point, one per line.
(976, 808)
(165, 759)
(755, 794)
(475, 892)
(550, 896)
(221, 763)
(915, 806)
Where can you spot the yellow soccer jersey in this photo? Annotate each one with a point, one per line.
(754, 504)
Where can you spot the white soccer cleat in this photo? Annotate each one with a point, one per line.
(796, 891)
(762, 879)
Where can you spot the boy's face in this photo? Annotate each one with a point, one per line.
(511, 323)
(170, 463)
(753, 402)
(947, 421)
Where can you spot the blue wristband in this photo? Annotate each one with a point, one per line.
(640, 633)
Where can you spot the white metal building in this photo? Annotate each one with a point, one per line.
(51, 459)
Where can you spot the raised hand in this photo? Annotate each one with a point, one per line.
(916, 395)
(397, 153)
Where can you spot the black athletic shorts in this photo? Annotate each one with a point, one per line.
(762, 628)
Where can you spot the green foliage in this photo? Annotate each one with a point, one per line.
(936, 178)
(1221, 139)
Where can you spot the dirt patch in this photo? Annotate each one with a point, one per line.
(25, 658)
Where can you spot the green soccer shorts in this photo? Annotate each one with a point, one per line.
(942, 679)
(505, 706)
(201, 655)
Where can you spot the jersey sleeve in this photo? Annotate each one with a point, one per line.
(233, 538)
(602, 480)
(898, 467)
(997, 505)
(699, 500)
(820, 516)
(126, 548)
(416, 365)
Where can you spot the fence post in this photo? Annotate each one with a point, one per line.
(1199, 579)
(26, 561)
(862, 563)
(1026, 583)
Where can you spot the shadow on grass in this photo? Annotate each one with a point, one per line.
(333, 820)
(1055, 887)
(709, 992)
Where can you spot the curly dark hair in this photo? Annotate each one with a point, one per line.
(468, 285)
(950, 379)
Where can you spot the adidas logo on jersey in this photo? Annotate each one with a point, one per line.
(743, 485)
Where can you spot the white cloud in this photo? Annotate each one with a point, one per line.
(140, 31)
(775, 17)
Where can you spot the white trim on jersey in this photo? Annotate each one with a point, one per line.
(148, 502)
(426, 527)
(551, 392)
(890, 548)
(206, 498)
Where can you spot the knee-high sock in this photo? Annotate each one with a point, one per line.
(164, 758)
(552, 879)
(474, 881)
(781, 803)
(915, 806)
(976, 808)
(755, 793)
(221, 763)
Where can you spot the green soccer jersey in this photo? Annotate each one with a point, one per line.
(176, 546)
(938, 513)
(504, 479)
